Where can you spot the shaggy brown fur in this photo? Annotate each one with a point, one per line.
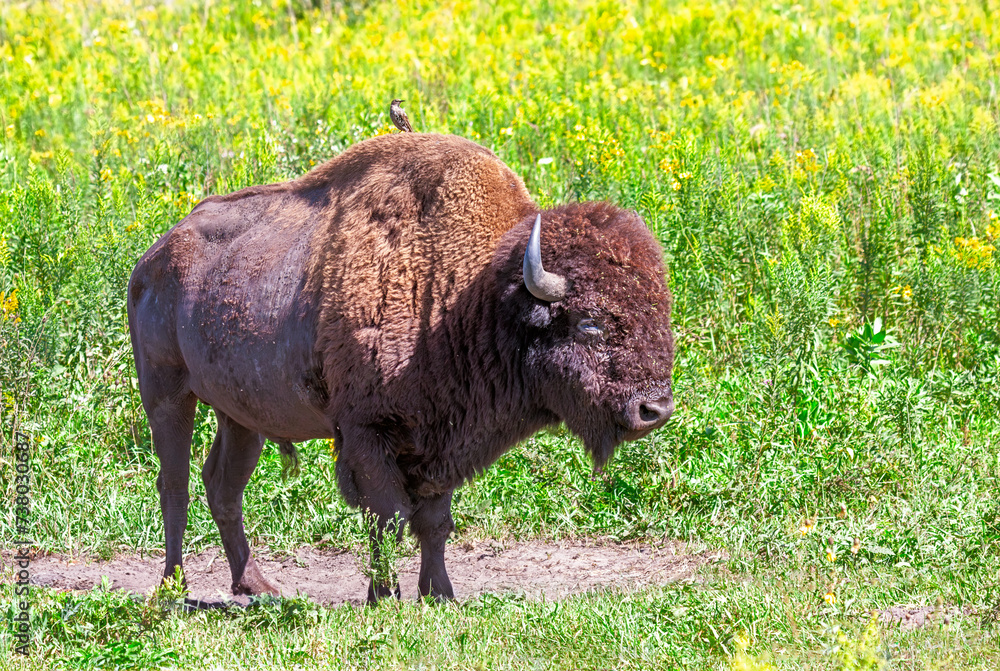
(379, 300)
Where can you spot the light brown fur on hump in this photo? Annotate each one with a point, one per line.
(413, 219)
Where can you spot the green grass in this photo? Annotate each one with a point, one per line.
(809, 168)
(776, 616)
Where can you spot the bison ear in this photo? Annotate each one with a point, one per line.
(543, 285)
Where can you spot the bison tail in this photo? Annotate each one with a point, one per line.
(289, 459)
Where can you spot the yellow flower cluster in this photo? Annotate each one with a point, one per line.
(807, 160)
(974, 253)
(993, 227)
(669, 165)
(806, 164)
(154, 112)
(599, 147)
(8, 306)
(742, 660)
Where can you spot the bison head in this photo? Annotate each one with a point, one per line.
(585, 293)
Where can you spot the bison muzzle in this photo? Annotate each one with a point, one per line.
(408, 300)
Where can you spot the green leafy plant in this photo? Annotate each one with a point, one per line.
(867, 346)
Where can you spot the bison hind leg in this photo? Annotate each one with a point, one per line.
(227, 470)
(170, 407)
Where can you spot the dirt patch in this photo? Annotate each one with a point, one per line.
(552, 569)
(909, 617)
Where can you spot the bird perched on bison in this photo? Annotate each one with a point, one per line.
(409, 300)
(399, 117)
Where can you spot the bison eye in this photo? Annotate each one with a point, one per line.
(589, 327)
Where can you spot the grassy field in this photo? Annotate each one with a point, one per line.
(824, 178)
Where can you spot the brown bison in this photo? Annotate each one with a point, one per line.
(395, 300)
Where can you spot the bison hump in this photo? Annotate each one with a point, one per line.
(413, 219)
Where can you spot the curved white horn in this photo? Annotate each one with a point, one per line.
(543, 285)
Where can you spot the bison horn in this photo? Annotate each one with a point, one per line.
(543, 285)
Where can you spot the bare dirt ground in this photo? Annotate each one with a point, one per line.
(909, 617)
(534, 568)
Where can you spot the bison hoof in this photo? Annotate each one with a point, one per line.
(253, 583)
(255, 587)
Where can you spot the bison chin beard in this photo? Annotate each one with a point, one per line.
(600, 438)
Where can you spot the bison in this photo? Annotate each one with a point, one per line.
(410, 301)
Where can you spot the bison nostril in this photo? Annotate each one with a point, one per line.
(648, 414)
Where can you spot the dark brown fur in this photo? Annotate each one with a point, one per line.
(379, 300)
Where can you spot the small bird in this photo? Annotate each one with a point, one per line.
(398, 117)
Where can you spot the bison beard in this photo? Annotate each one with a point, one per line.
(408, 300)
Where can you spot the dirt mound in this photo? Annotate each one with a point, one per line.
(553, 569)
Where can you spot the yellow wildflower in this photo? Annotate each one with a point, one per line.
(807, 160)
(722, 62)
(8, 305)
(830, 598)
(973, 253)
(669, 165)
(808, 526)
(993, 227)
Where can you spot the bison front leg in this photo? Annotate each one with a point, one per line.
(387, 508)
(369, 479)
(431, 523)
(384, 529)
(227, 470)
